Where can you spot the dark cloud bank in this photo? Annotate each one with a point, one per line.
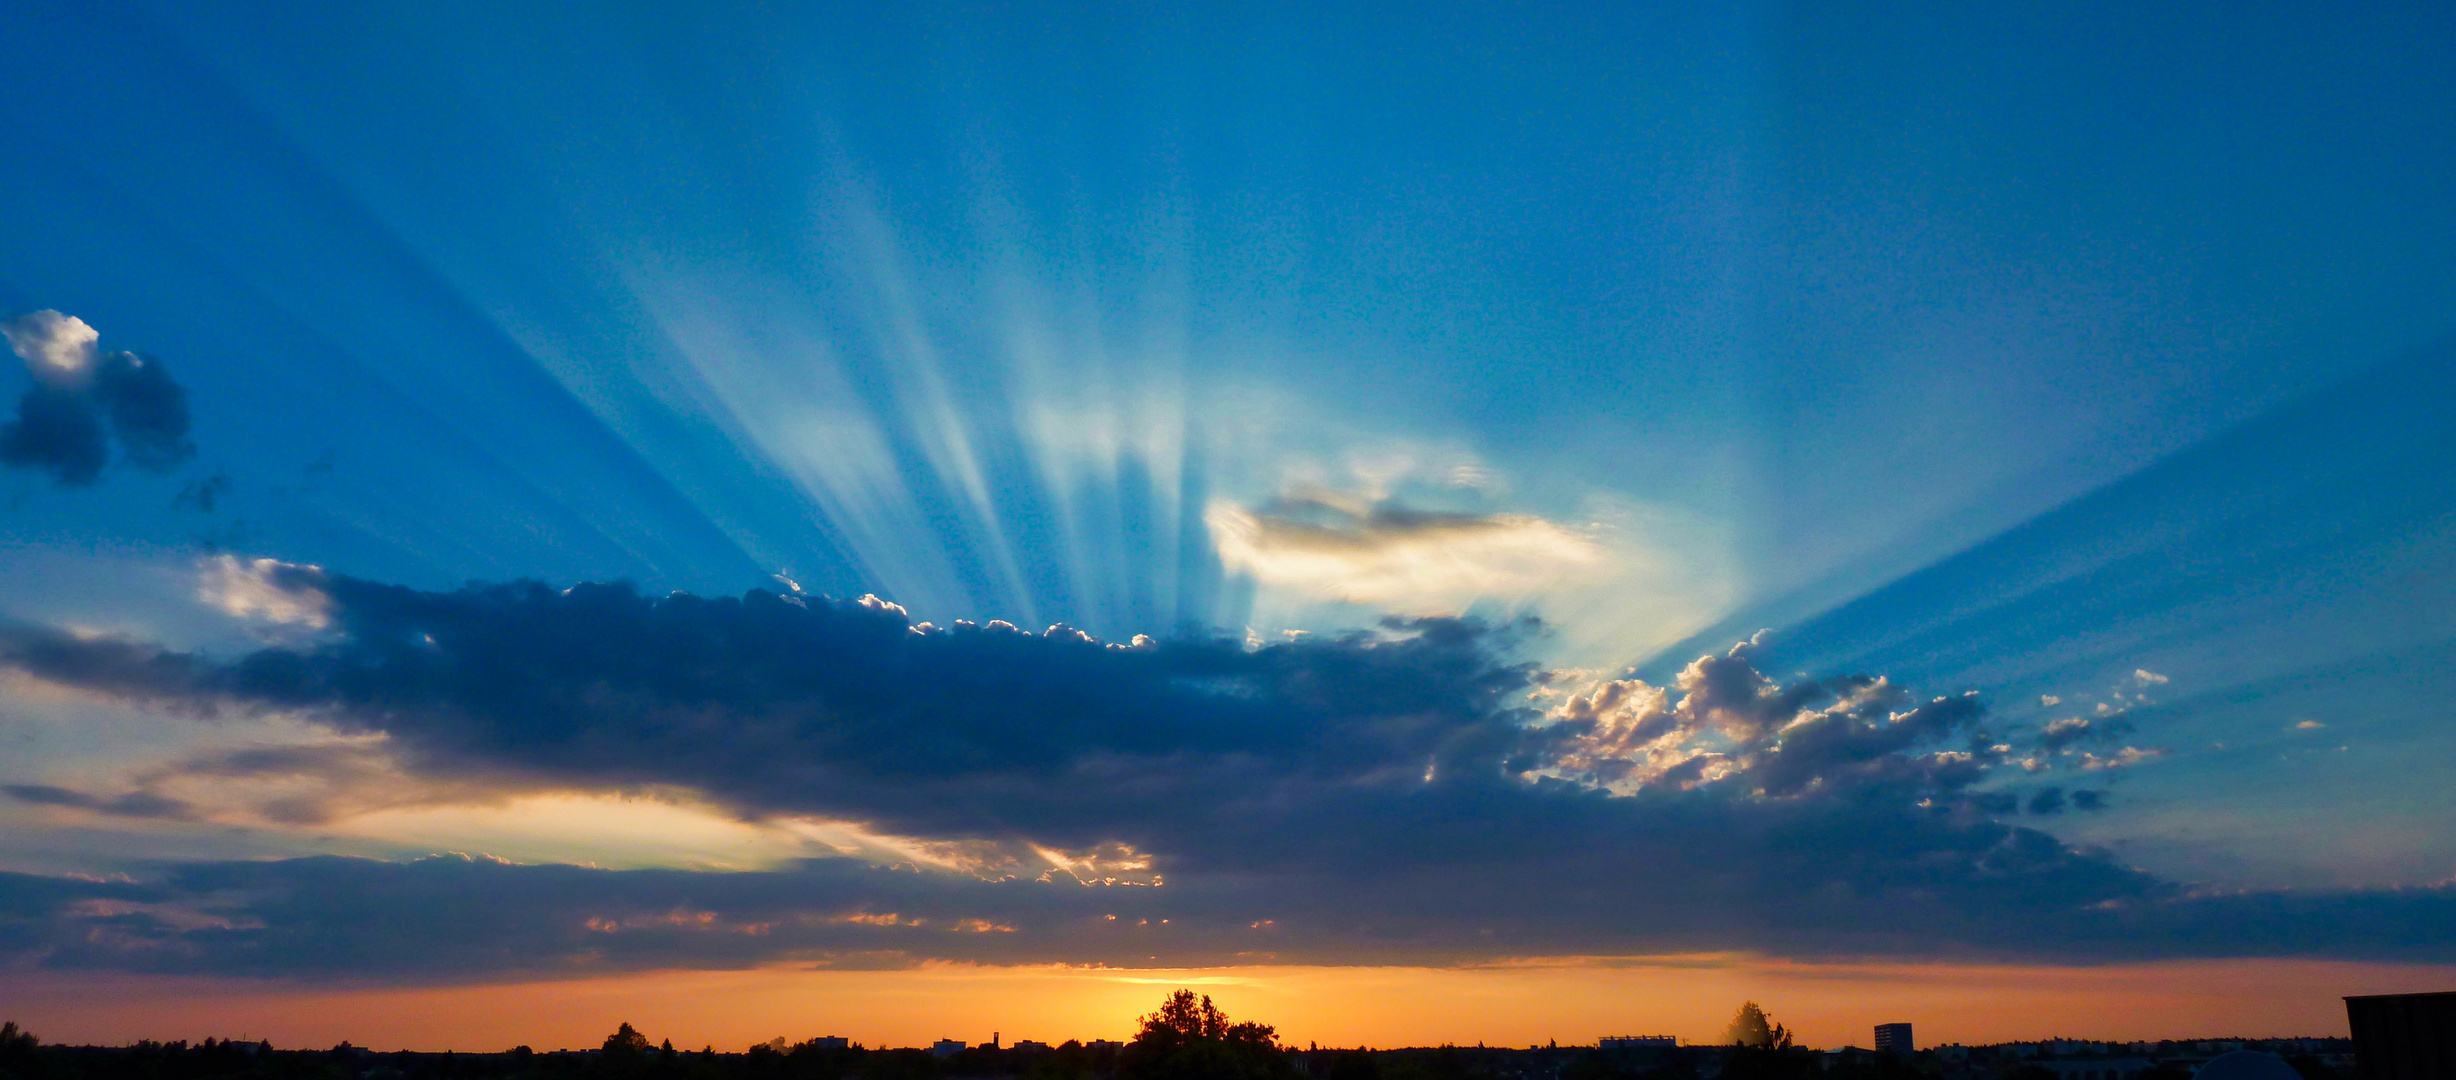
(1402, 796)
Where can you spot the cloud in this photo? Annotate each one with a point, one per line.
(1371, 797)
(60, 422)
(148, 411)
(1782, 739)
(1382, 552)
(2060, 733)
(58, 349)
(793, 705)
(203, 495)
(56, 431)
(1414, 531)
(269, 589)
(1621, 729)
(133, 804)
(310, 784)
(2130, 755)
(462, 917)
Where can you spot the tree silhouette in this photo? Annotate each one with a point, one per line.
(626, 1040)
(626, 1050)
(1751, 1027)
(1189, 1038)
(18, 1049)
(1761, 1049)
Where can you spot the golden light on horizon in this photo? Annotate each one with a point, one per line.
(1529, 1003)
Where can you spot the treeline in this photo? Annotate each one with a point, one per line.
(1208, 1052)
(1188, 1039)
(626, 1056)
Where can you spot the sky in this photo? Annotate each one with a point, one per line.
(906, 519)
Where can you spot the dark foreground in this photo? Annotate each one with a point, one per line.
(629, 1057)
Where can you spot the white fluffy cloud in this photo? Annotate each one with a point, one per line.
(58, 349)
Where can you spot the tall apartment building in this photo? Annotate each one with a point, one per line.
(1894, 1039)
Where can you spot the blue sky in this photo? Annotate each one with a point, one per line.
(2090, 361)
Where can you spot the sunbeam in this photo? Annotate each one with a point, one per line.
(1257, 496)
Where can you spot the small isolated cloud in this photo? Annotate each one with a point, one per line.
(2309, 725)
(1382, 552)
(2128, 756)
(2064, 732)
(203, 495)
(2146, 677)
(82, 398)
(2064, 735)
(2049, 701)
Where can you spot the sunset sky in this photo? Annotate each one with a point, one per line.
(1434, 523)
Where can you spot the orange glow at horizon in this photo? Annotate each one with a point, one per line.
(1513, 1005)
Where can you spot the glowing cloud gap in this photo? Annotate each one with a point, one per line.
(1407, 559)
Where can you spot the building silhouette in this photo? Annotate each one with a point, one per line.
(1894, 1039)
(2404, 1036)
